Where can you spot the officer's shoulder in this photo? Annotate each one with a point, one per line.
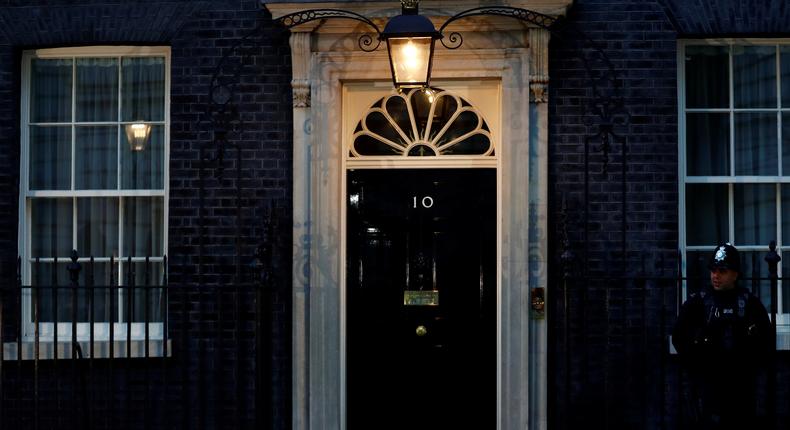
(747, 294)
(752, 299)
(696, 298)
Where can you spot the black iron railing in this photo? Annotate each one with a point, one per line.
(612, 361)
(136, 351)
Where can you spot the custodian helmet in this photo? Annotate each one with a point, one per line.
(725, 257)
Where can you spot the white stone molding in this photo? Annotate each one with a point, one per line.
(324, 58)
(430, 8)
(301, 53)
(539, 64)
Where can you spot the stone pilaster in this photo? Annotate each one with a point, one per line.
(300, 65)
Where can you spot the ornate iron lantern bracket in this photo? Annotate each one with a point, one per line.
(454, 39)
(366, 42)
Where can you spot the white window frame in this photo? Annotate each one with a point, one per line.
(783, 315)
(100, 330)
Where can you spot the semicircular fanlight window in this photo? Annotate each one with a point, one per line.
(421, 123)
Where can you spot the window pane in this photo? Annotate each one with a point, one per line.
(397, 109)
(786, 142)
(707, 77)
(103, 298)
(786, 216)
(144, 275)
(97, 89)
(143, 89)
(784, 55)
(47, 276)
(754, 76)
(706, 214)
(474, 144)
(143, 169)
(754, 267)
(463, 124)
(755, 214)
(380, 125)
(708, 144)
(51, 228)
(96, 158)
(97, 226)
(785, 283)
(50, 158)
(50, 90)
(755, 144)
(697, 274)
(143, 219)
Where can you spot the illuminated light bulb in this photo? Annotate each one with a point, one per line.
(411, 60)
(139, 131)
(409, 50)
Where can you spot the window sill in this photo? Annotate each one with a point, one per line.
(101, 349)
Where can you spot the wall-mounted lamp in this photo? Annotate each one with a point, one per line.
(411, 37)
(138, 134)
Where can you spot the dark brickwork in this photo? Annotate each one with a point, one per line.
(203, 227)
(604, 355)
(609, 362)
(705, 18)
(609, 366)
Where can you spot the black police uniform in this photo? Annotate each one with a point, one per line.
(725, 338)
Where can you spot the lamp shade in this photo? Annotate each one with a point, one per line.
(410, 39)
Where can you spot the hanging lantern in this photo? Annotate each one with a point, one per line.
(410, 40)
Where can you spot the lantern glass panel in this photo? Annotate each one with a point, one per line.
(411, 60)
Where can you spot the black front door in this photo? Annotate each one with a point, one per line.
(421, 295)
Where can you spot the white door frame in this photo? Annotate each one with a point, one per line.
(486, 98)
(324, 57)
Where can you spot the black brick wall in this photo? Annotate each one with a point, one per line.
(728, 17)
(201, 35)
(600, 337)
(609, 361)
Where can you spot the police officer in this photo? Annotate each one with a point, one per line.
(724, 336)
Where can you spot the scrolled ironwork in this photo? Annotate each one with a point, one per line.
(454, 40)
(535, 18)
(366, 43)
(301, 17)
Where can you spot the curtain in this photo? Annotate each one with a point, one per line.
(143, 235)
(707, 134)
(756, 144)
(96, 89)
(707, 76)
(706, 214)
(143, 89)
(754, 76)
(50, 90)
(96, 158)
(98, 148)
(755, 214)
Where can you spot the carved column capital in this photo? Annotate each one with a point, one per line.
(300, 66)
(539, 64)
